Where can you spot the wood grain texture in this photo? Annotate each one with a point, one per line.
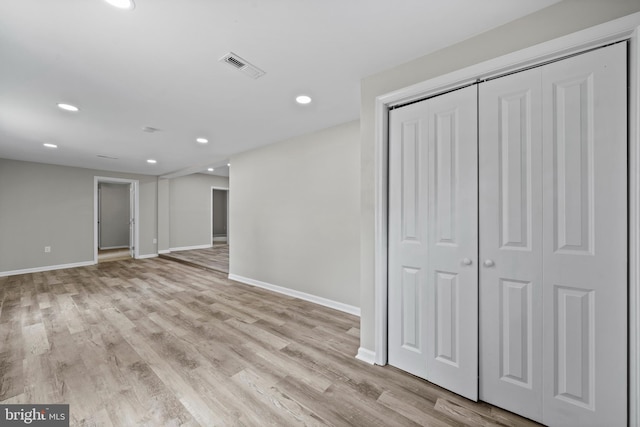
(158, 343)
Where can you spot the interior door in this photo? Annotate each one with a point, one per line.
(452, 269)
(433, 240)
(510, 177)
(553, 241)
(408, 150)
(585, 239)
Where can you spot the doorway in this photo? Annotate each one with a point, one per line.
(115, 219)
(219, 215)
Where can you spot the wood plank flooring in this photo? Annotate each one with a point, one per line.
(214, 258)
(158, 343)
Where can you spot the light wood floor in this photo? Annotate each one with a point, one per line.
(107, 255)
(214, 258)
(158, 343)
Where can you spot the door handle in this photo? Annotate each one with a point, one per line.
(489, 263)
(466, 261)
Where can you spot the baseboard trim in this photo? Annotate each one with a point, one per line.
(45, 268)
(366, 355)
(297, 294)
(189, 248)
(164, 251)
(113, 247)
(147, 256)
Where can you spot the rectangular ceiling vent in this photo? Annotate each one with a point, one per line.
(243, 65)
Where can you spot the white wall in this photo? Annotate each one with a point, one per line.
(190, 209)
(47, 205)
(294, 214)
(555, 21)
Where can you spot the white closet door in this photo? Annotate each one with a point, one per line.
(433, 305)
(585, 239)
(452, 277)
(510, 158)
(408, 238)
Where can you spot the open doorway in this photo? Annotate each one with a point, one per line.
(115, 219)
(219, 215)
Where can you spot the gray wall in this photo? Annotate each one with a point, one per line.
(114, 215)
(190, 209)
(46, 205)
(555, 21)
(294, 214)
(219, 213)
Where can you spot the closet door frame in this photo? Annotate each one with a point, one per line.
(626, 28)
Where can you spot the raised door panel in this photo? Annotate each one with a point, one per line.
(408, 238)
(510, 243)
(452, 293)
(585, 239)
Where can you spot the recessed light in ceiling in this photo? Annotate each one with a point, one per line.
(202, 140)
(50, 145)
(210, 169)
(229, 165)
(68, 107)
(152, 161)
(122, 4)
(303, 99)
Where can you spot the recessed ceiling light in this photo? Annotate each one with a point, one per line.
(229, 165)
(202, 140)
(303, 99)
(152, 161)
(122, 4)
(50, 145)
(68, 107)
(210, 169)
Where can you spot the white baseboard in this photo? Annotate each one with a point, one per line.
(147, 256)
(297, 294)
(220, 239)
(106, 248)
(367, 356)
(188, 248)
(46, 268)
(164, 251)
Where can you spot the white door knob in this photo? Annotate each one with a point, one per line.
(466, 261)
(488, 263)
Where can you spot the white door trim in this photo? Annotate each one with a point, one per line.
(136, 214)
(626, 28)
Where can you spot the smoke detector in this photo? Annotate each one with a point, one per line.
(243, 65)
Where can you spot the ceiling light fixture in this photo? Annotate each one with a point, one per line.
(228, 165)
(122, 4)
(152, 161)
(210, 169)
(68, 107)
(50, 145)
(303, 99)
(202, 140)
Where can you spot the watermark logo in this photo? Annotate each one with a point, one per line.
(34, 415)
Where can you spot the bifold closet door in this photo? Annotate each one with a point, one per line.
(433, 272)
(510, 158)
(553, 241)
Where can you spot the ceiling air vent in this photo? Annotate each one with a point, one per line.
(243, 65)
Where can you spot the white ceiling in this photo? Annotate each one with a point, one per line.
(157, 66)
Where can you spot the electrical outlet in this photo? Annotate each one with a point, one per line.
(47, 249)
